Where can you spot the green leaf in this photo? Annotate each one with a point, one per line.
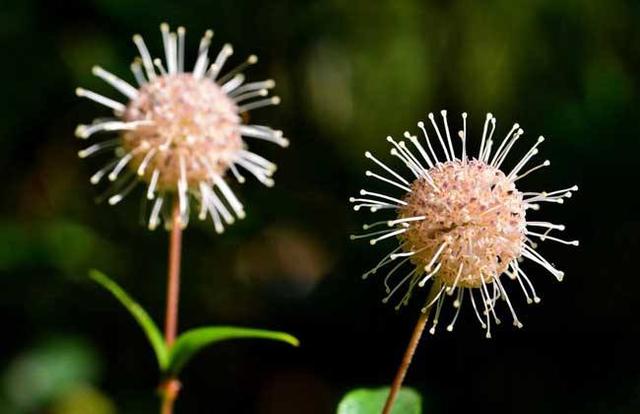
(194, 340)
(142, 317)
(371, 401)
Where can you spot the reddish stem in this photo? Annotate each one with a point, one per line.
(173, 278)
(171, 386)
(411, 350)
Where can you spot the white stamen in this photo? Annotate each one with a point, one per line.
(95, 178)
(264, 133)
(120, 166)
(236, 206)
(155, 213)
(435, 257)
(158, 64)
(152, 184)
(386, 197)
(446, 129)
(505, 140)
(426, 136)
(544, 164)
(181, 35)
(475, 308)
(146, 57)
(216, 67)
(250, 95)
(115, 199)
(124, 87)
(464, 137)
(145, 161)
(202, 61)
(389, 170)
(405, 220)
(386, 236)
(232, 84)
(136, 69)
(275, 100)
(386, 180)
(252, 86)
(543, 237)
(95, 148)
(484, 135)
(102, 100)
(459, 301)
(429, 275)
(435, 127)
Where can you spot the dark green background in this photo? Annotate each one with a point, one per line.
(349, 73)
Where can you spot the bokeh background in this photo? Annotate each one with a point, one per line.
(350, 73)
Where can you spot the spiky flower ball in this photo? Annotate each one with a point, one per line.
(181, 132)
(461, 222)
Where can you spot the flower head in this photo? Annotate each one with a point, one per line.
(461, 222)
(181, 132)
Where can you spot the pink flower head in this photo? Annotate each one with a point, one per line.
(181, 132)
(461, 222)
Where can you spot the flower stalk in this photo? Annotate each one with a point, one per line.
(410, 352)
(170, 387)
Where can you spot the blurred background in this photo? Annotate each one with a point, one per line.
(349, 73)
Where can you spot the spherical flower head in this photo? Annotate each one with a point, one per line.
(476, 220)
(181, 133)
(461, 221)
(194, 122)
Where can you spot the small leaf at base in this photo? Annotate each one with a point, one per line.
(371, 401)
(141, 316)
(194, 340)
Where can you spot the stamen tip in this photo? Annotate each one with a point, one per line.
(81, 131)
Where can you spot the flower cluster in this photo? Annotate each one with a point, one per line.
(461, 222)
(180, 132)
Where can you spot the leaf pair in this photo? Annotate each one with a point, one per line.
(172, 359)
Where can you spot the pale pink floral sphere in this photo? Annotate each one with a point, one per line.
(193, 123)
(181, 132)
(461, 223)
(476, 223)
